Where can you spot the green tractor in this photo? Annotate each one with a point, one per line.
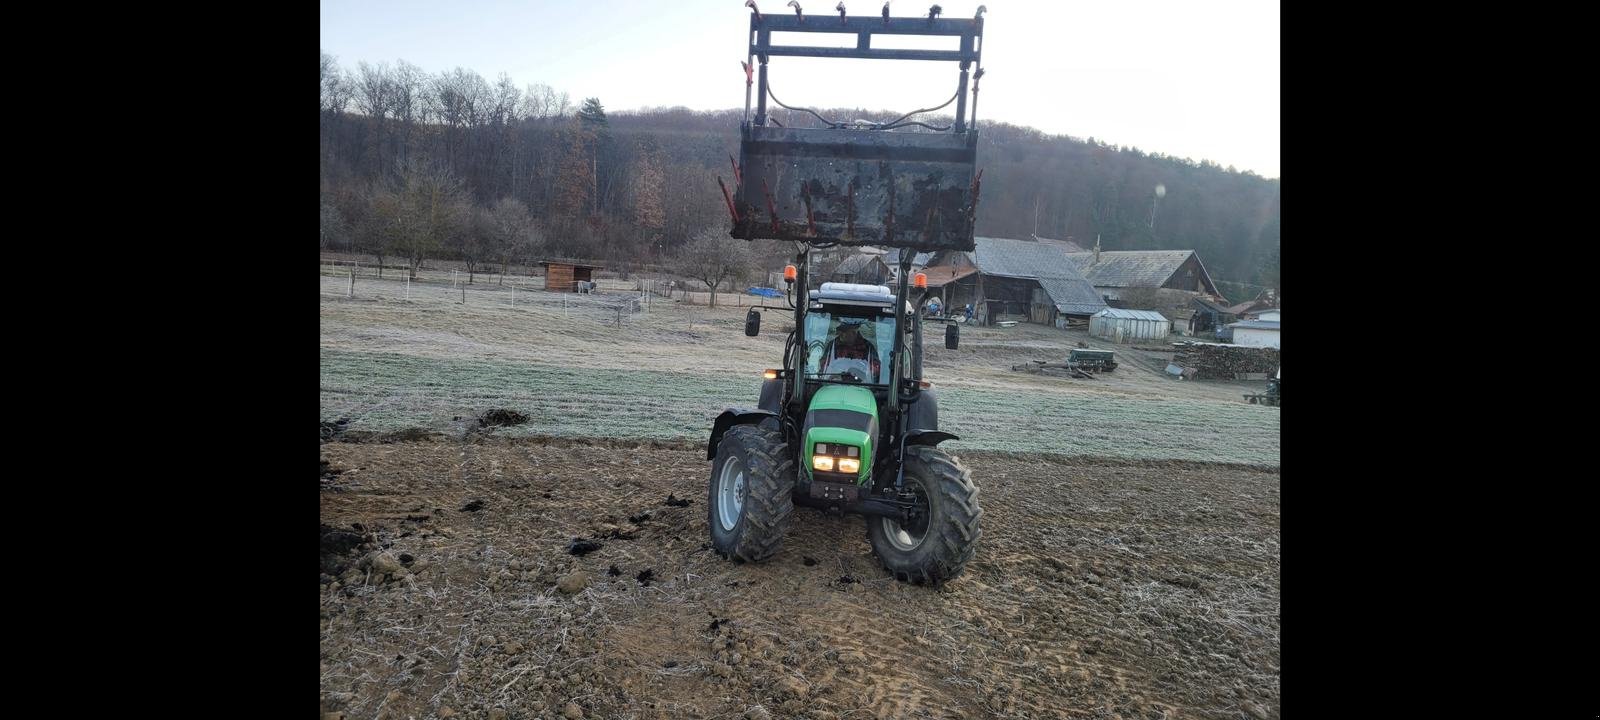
(847, 422)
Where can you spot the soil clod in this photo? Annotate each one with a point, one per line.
(499, 417)
(580, 546)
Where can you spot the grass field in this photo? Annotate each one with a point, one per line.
(433, 362)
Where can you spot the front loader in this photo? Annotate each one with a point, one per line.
(848, 422)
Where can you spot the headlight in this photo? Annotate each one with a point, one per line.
(849, 465)
(822, 462)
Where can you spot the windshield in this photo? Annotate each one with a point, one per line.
(848, 348)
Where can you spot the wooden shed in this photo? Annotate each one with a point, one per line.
(564, 276)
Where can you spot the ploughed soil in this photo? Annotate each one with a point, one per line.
(536, 578)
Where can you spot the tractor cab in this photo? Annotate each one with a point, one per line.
(850, 335)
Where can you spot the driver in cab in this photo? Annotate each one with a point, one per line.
(850, 345)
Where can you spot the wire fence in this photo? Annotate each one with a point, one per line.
(638, 294)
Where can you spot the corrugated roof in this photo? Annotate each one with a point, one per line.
(1212, 306)
(1067, 245)
(1074, 297)
(941, 275)
(1131, 268)
(1022, 259)
(1256, 324)
(1048, 263)
(1123, 314)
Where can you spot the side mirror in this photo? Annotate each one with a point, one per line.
(952, 337)
(752, 323)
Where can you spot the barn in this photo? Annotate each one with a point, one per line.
(1006, 279)
(564, 275)
(1112, 271)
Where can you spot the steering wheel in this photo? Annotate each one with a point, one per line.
(851, 368)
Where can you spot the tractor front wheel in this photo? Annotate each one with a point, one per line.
(935, 545)
(750, 501)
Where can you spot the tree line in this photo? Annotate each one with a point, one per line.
(417, 165)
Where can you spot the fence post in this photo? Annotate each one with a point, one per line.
(513, 295)
(352, 292)
(563, 306)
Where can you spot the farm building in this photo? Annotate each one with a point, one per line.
(1255, 333)
(564, 276)
(1005, 279)
(1209, 315)
(1265, 300)
(1129, 325)
(1113, 271)
(892, 259)
(865, 269)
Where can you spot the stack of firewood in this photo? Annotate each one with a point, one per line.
(1223, 362)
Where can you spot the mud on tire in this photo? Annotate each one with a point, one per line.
(764, 503)
(952, 532)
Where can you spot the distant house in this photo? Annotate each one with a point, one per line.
(1266, 299)
(1256, 333)
(1209, 315)
(865, 268)
(564, 275)
(892, 259)
(1006, 279)
(1113, 271)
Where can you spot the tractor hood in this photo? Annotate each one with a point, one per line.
(845, 415)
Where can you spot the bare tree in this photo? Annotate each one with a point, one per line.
(424, 209)
(335, 231)
(540, 102)
(408, 90)
(713, 257)
(373, 90)
(375, 216)
(335, 87)
(512, 231)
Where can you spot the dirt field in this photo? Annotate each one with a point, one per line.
(390, 362)
(1102, 589)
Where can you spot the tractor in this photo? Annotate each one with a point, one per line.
(848, 422)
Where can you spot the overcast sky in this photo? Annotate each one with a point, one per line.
(1196, 79)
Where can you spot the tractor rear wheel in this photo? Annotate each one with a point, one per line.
(750, 499)
(935, 546)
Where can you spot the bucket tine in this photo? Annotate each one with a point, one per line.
(772, 206)
(729, 198)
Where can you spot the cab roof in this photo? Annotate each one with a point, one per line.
(854, 294)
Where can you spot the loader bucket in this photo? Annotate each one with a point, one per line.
(857, 187)
(859, 183)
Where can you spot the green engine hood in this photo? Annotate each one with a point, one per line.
(845, 415)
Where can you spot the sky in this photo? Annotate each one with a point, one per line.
(1196, 79)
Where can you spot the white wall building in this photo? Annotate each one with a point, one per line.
(1256, 333)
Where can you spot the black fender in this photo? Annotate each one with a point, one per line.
(924, 413)
(928, 437)
(729, 418)
(771, 396)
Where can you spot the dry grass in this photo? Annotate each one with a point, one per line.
(390, 364)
